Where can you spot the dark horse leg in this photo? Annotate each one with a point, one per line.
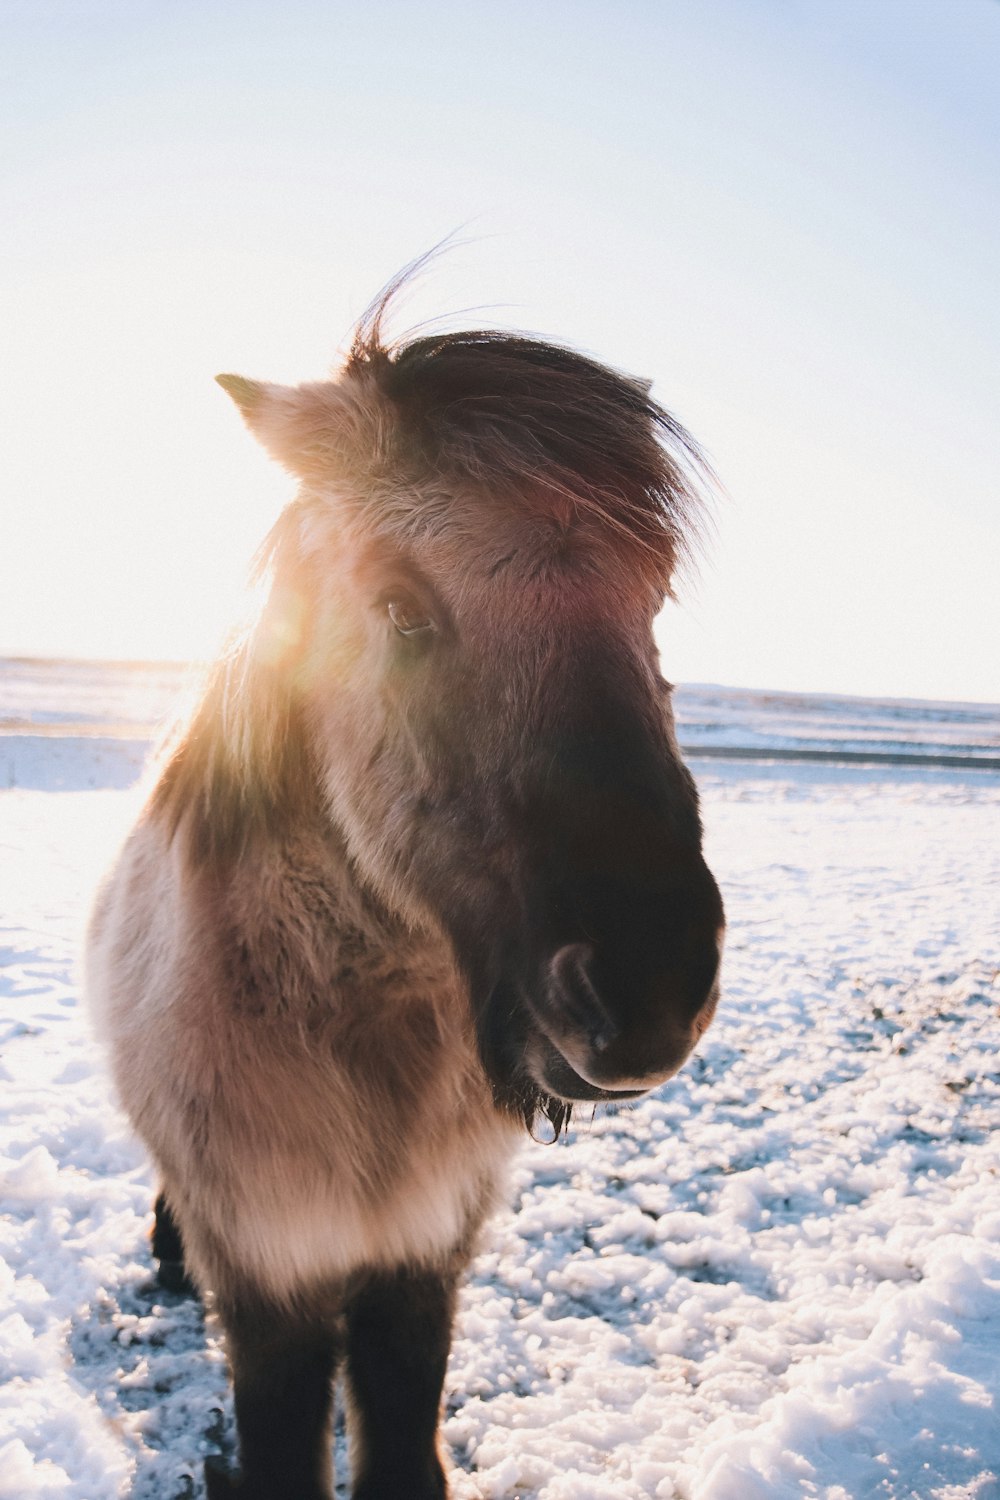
(398, 1336)
(283, 1365)
(168, 1250)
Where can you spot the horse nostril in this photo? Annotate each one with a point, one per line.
(572, 989)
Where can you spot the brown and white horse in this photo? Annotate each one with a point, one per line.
(424, 865)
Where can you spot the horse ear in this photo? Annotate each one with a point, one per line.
(298, 425)
(246, 393)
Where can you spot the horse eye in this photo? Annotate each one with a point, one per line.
(408, 617)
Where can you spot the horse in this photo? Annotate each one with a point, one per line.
(422, 870)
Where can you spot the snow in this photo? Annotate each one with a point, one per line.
(777, 1277)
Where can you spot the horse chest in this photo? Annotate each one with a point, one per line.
(311, 1223)
(359, 1128)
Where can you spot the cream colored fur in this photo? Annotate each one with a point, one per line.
(312, 1097)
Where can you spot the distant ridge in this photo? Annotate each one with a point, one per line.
(843, 757)
(62, 698)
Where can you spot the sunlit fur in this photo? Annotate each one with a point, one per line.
(297, 959)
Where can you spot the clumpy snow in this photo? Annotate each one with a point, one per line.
(779, 1276)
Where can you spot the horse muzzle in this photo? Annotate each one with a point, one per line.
(592, 1046)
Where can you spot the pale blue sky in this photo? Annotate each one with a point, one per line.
(785, 211)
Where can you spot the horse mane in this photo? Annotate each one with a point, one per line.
(240, 765)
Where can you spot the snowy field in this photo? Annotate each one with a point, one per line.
(779, 1276)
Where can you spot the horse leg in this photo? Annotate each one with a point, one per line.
(398, 1337)
(168, 1249)
(283, 1367)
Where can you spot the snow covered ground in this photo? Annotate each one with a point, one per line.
(779, 1276)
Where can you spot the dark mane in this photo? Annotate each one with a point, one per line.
(503, 409)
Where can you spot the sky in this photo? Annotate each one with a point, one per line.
(784, 212)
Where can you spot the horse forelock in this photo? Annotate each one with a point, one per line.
(531, 422)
